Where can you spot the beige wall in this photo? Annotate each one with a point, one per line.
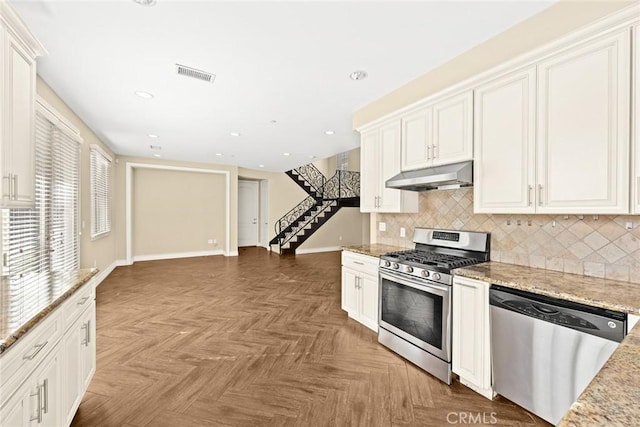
(101, 252)
(171, 181)
(176, 212)
(550, 24)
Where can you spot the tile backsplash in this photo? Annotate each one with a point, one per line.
(599, 246)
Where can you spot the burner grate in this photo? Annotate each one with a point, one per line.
(432, 258)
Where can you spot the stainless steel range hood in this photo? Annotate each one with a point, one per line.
(434, 178)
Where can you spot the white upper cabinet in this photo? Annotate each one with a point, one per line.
(583, 128)
(380, 161)
(504, 144)
(18, 50)
(438, 134)
(416, 139)
(635, 121)
(452, 129)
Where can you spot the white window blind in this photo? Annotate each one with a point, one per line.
(100, 192)
(40, 244)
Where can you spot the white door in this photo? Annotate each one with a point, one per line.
(504, 141)
(247, 213)
(583, 128)
(452, 129)
(416, 140)
(369, 301)
(264, 213)
(390, 199)
(370, 171)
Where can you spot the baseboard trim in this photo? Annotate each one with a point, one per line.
(103, 274)
(175, 255)
(302, 251)
(231, 253)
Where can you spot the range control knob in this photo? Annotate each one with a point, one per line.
(425, 273)
(409, 269)
(387, 263)
(395, 266)
(436, 276)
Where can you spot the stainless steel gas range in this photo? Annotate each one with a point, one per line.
(415, 295)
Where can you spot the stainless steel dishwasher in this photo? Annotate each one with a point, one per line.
(546, 351)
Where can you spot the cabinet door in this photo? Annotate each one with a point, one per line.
(470, 332)
(72, 365)
(504, 144)
(452, 129)
(350, 283)
(583, 128)
(16, 412)
(416, 140)
(390, 199)
(19, 128)
(370, 171)
(88, 346)
(47, 392)
(369, 301)
(635, 121)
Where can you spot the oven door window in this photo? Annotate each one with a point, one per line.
(416, 312)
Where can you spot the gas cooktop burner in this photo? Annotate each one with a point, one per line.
(430, 259)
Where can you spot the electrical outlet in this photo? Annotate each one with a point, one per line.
(210, 241)
(340, 238)
(215, 242)
(628, 225)
(382, 226)
(403, 232)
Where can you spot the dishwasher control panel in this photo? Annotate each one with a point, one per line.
(592, 320)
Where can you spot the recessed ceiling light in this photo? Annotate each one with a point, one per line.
(145, 2)
(145, 95)
(218, 154)
(329, 132)
(286, 154)
(157, 155)
(358, 75)
(153, 135)
(260, 166)
(235, 133)
(274, 122)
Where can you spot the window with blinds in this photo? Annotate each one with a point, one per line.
(100, 192)
(40, 244)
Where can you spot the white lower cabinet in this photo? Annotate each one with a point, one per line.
(360, 288)
(49, 392)
(471, 342)
(79, 347)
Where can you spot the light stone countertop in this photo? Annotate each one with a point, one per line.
(374, 250)
(47, 302)
(611, 399)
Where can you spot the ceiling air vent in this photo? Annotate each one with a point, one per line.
(183, 70)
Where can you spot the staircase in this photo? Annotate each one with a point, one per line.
(326, 197)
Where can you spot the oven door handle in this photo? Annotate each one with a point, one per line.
(440, 289)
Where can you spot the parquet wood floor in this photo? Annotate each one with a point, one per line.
(256, 340)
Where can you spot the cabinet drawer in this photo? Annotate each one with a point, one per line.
(75, 306)
(362, 263)
(20, 360)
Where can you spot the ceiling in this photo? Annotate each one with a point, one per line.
(282, 68)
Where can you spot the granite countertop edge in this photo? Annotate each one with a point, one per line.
(84, 275)
(374, 250)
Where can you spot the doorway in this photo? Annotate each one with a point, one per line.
(248, 213)
(264, 213)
